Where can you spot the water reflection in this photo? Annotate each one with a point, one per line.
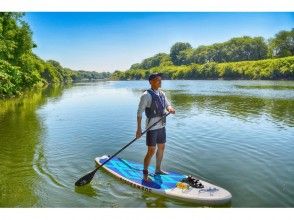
(87, 190)
(243, 107)
(280, 110)
(157, 201)
(274, 87)
(154, 201)
(20, 132)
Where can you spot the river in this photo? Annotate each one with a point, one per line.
(236, 134)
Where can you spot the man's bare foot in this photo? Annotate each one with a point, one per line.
(160, 172)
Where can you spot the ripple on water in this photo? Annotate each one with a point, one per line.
(235, 138)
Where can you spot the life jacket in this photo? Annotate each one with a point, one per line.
(157, 106)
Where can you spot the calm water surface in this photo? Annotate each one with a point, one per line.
(236, 134)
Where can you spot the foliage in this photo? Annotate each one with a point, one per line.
(238, 58)
(176, 54)
(20, 68)
(282, 44)
(82, 75)
(271, 69)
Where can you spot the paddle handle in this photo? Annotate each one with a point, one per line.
(155, 123)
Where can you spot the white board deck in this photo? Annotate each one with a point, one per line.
(166, 185)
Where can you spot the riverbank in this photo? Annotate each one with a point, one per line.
(267, 69)
(249, 58)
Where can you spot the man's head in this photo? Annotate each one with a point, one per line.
(155, 80)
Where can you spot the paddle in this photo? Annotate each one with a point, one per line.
(88, 177)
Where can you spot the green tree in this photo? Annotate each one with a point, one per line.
(175, 52)
(282, 44)
(236, 49)
(156, 60)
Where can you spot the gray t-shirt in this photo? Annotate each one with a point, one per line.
(145, 102)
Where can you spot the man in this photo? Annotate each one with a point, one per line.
(154, 103)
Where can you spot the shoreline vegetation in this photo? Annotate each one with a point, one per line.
(244, 57)
(21, 69)
(268, 69)
(248, 58)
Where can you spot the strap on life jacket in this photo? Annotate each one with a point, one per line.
(157, 106)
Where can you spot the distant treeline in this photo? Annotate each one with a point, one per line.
(21, 69)
(238, 58)
(82, 75)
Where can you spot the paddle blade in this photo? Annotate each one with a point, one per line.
(86, 179)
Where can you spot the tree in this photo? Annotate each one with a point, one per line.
(236, 49)
(156, 60)
(175, 52)
(15, 37)
(282, 44)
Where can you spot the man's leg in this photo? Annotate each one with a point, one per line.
(161, 139)
(159, 156)
(147, 159)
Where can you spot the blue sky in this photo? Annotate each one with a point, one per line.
(114, 41)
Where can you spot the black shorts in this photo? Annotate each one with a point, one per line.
(157, 136)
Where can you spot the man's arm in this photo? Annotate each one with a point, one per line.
(169, 108)
(141, 108)
(139, 128)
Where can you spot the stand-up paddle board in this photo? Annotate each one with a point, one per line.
(172, 185)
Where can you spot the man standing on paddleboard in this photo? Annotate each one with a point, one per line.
(154, 103)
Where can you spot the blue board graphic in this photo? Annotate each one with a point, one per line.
(132, 171)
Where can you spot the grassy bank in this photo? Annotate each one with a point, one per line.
(267, 69)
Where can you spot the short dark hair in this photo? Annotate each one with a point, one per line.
(153, 76)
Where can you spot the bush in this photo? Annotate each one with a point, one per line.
(11, 79)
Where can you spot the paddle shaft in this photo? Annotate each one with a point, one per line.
(155, 123)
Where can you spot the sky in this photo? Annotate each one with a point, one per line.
(103, 41)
